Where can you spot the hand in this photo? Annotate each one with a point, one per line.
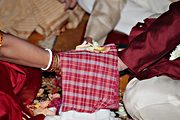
(88, 40)
(69, 3)
(121, 65)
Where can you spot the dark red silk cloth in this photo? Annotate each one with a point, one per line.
(18, 87)
(151, 43)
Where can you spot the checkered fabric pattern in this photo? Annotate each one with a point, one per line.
(89, 80)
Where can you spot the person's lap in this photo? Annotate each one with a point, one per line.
(155, 98)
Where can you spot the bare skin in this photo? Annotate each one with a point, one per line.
(69, 3)
(19, 51)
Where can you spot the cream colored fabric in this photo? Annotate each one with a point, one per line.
(104, 16)
(156, 6)
(157, 98)
(108, 12)
(22, 17)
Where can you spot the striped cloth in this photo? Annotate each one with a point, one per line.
(89, 80)
(46, 17)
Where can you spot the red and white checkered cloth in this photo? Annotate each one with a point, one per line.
(89, 80)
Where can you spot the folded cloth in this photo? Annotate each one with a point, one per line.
(46, 17)
(18, 87)
(89, 80)
(73, 115)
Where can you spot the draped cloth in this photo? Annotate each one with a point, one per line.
(106, 14)
(18, 87)
(22, 17)
(151, 44)
(89, 80)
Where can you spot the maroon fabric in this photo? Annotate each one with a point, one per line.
(148, 53)
(117, 38)
(9, 108)
(18, 85)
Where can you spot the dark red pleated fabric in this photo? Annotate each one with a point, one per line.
(151, 44)
(18, 87)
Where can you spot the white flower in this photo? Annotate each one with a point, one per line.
(87, 46)
(175, 54)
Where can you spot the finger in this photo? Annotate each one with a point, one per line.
(73, 3)
(63, 29)
(67, 5)
(62, 1)
(88, 39)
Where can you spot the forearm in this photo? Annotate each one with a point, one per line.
(104, 17)
(18, 51)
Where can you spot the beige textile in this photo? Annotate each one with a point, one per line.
(157, 98)
(105, 14)
(22, 17)
(108, 12)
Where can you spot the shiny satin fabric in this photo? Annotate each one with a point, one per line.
(18, 87)
(151, 44)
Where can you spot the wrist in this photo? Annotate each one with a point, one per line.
(1, 38)
(50, 60)
(121, 65)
